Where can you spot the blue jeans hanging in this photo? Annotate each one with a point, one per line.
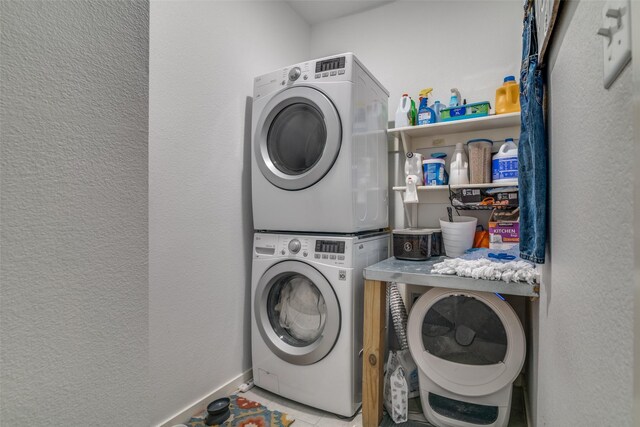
(532, 148)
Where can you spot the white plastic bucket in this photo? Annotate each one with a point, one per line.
(458, 235)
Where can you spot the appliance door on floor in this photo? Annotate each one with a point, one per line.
(297, 312)
(469, 343)
(298, 138)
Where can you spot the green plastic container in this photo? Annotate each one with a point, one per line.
(468, 111)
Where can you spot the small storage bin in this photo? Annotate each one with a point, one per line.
(412, 244)
(480, 161)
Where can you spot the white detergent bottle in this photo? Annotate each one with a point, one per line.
(504, 165)
(403, 113)
(459, 168)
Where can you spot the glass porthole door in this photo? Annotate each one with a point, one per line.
(298, 138)
(297, 312)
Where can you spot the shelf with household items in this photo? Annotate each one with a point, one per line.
(479, 124)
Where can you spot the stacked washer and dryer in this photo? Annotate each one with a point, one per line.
(320, 210)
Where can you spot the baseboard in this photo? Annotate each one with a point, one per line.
(199, 406)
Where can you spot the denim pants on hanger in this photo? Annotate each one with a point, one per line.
(532, 148)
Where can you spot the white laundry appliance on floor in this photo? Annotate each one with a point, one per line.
(307, 320)
(319, 148)
(469, 348)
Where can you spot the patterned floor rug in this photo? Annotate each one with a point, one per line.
(247, 413)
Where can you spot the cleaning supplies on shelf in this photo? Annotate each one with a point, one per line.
(480, 160)
(454, 101)
(414, 113)
(508, 96)
(403, 112)
(425, 114)
(413, 176)
(434, 170)
(505, 163)
(459, 167)
(437, 108)
(467, 111)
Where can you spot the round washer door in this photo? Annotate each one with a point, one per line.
(470, 343)
(298, 138)
(297, 312)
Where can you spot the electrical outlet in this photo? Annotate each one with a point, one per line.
(616, 38)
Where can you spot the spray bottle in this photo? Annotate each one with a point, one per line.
(455, 98)
(425, 114)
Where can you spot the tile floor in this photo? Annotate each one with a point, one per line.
(305, 416)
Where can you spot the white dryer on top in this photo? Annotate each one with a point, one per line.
(319, 148)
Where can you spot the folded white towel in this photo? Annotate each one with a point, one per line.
(513, 271)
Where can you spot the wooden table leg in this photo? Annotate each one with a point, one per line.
(375, 304)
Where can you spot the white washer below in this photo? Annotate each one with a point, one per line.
(307, 304)
(469, 348)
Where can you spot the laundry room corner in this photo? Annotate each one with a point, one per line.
(203, 57)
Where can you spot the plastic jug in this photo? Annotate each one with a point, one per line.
(508, 96)
(437, 107)
(459, 169)
(505, 163)
(403, 113)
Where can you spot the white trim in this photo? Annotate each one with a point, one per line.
(199, 406)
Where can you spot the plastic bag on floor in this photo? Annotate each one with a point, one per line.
(396, 389)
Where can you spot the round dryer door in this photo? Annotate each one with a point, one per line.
(298, 138)
(470, 343)
(297, 312)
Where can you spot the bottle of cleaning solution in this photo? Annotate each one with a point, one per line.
(437, 107)
(414, 113)
(425, 114)
(459, 167)
(504, 165)
(508, 96)
(403, 113)
(455, 98)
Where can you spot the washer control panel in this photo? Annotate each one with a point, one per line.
(325, 250)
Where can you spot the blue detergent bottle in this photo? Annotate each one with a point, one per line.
(425, 114)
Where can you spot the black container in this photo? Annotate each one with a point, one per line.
(412, 244)
(218, 411)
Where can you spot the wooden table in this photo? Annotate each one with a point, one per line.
(375, 308)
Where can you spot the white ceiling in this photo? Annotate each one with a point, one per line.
(316, 11)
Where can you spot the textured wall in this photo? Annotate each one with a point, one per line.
(584, 318)
(410, 45)
(204, 56)
(74, 296)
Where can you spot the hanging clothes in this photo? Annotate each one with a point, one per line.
(532, 148)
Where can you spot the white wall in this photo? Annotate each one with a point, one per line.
(410, 45)
(74, 294)
(204, 56)
(584, 318)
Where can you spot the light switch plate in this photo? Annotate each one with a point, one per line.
(617, 48)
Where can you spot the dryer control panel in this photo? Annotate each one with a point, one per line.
(330, 69)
